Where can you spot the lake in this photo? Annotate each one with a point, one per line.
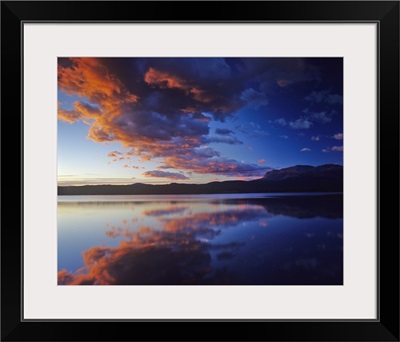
(224, 239)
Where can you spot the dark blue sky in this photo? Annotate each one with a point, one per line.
(157, 120)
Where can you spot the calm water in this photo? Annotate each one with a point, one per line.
(245, 239)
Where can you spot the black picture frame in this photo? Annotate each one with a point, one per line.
(384, 13)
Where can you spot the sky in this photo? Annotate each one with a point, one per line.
(195, 120)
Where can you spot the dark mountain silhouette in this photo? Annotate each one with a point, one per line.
(294, 172)
(299, 178)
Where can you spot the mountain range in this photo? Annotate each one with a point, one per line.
(299, 178)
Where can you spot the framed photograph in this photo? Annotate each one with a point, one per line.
(197, 163)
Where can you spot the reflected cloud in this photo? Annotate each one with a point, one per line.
(204, 243)
(150, 258)
(224, 219)
(163, 212)
(178, 254)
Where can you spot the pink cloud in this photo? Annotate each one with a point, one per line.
(164, 174)
(338, 136)
(337, 148)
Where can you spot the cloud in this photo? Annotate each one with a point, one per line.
(261, 161)
(222, 131)
(114, 154)
(215, 165)
(89, 78)
(286, 72)
(164, 174)
(256, 130)
(324, 97)
(223, 139)
(81, 111)
(153, 127)
(333, 148)
(301, 123)
(284, 137)
(253, 98)
(167, 80)
(69, 116)
(334, 99)
(321, 117)
(161, 108)
(312, 117)
(315, 138)
(242, 129)
(338, 136)
(281, 121)
(305, 149)
(198, 95)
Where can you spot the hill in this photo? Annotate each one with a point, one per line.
(299, 178)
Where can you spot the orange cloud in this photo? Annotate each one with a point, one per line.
(166, 80)
(114, 154)
(89, 78)
(69, 116)
(114, 232)
(173, 134)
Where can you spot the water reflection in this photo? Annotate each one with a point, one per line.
(282, 241)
